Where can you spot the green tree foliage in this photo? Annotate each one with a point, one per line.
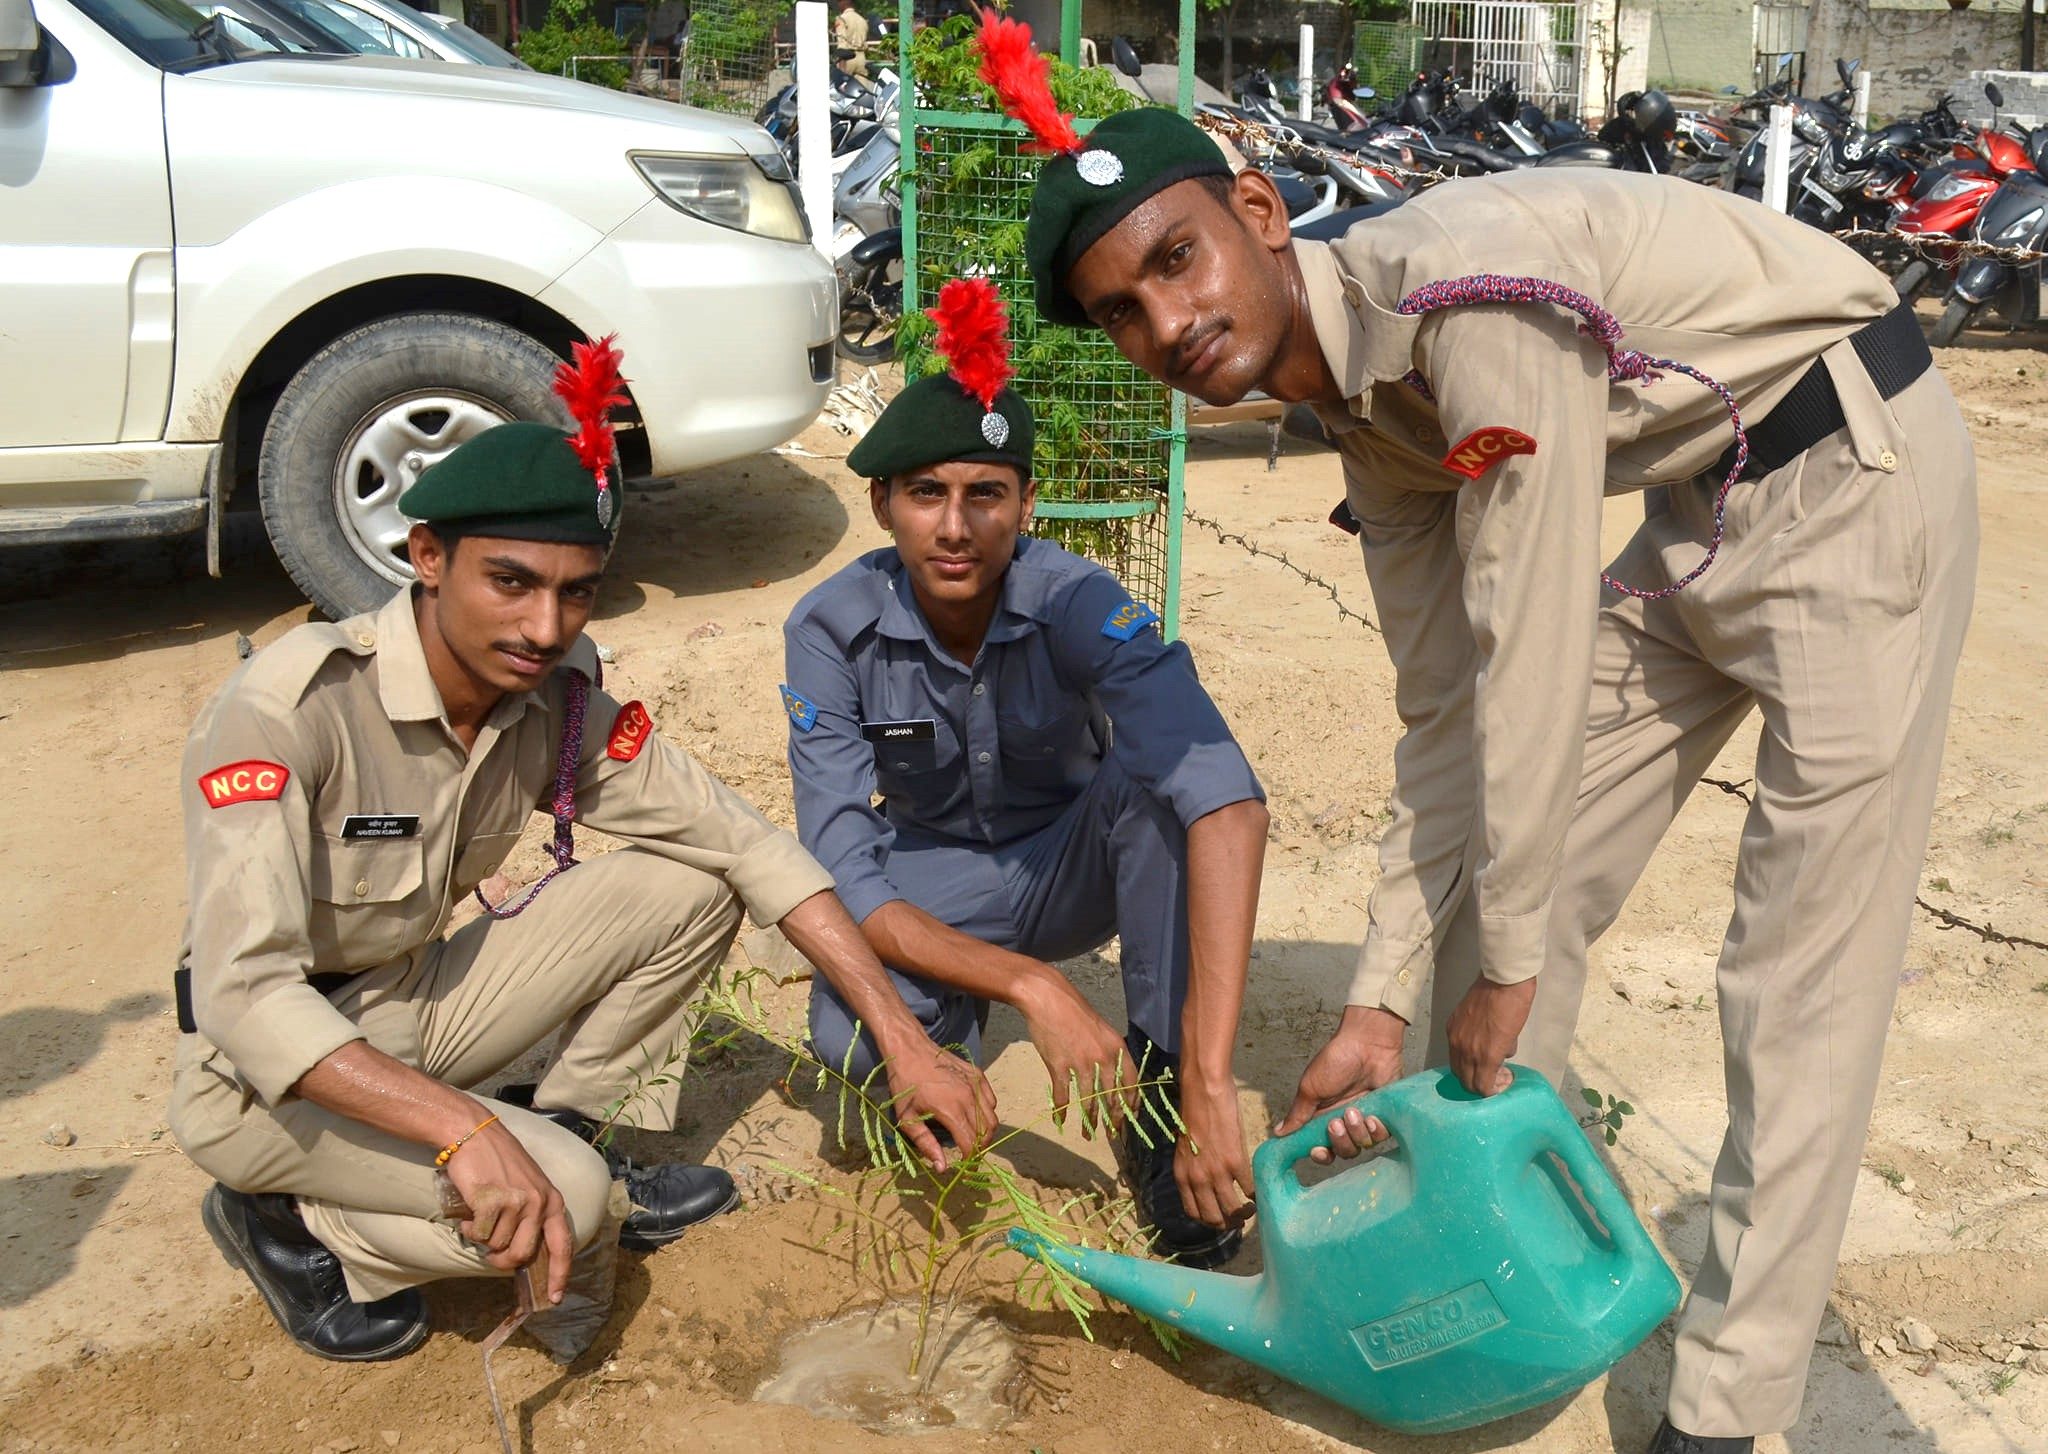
(572, 30)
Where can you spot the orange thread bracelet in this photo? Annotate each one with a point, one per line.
(459, 1142)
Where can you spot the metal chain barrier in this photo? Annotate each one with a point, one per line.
(1251, 136)
(1946, 918)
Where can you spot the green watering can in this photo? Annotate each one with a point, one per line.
(1485, 1265)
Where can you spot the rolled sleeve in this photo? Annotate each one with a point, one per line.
(247, 941)
(1168, 733)
(832, 773)
(662, 799)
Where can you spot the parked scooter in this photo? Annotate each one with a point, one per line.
(1944, 199)
(2017, 217)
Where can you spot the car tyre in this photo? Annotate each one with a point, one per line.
(356, 425)
(1954, 319)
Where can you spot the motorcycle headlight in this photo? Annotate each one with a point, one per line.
(1810, 129)
(2016, 231)
(1949, 187)
(746, 193)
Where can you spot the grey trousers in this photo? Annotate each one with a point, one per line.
(1112, 864)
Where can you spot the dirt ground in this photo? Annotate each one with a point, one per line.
(121, 1328)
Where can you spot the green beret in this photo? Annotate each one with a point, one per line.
(935, 421)
(1127, 160)
(518, 481)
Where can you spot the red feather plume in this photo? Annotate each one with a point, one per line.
(1012, 65)
(592, 387)
(974, 336)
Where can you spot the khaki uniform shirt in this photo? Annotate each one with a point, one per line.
(1489, 589)
(850, 30)
(333, 821)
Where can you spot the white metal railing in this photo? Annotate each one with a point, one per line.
(1538, 47)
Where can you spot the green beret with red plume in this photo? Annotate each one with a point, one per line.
(968, 412)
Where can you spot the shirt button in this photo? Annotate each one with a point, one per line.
(362, 887)
(364, 638)
(1402, 977)
(980, 687)
(903, 767)
(1887, 461)
(981, 757)
(1424, 434)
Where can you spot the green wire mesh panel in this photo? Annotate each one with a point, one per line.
(1386, 53)
(728, 61)
(1109, 451)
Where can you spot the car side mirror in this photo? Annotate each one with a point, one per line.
(1125, 57)
(21, 40)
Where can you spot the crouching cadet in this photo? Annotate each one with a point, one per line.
(345, 790)
(1050, 773)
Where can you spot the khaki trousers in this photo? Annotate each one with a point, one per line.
(610, 954)
(1836, 609)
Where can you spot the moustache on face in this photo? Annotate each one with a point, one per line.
(529, 651)
(1185, 353)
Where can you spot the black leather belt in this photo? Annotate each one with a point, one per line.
(181, 989)
(1894, 353)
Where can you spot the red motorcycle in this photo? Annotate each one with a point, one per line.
(1946, 198)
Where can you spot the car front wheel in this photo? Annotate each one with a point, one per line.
(359, 423)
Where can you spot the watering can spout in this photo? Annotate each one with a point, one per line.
(1219, 1310)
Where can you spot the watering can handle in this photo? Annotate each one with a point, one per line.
(1602, 1194)
(1273, 1163)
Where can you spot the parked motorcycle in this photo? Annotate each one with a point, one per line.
(1945, 198)
(2016, 217)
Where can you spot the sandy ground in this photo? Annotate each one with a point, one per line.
(120, 1327)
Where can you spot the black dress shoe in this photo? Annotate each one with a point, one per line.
(301, 1281)
(1669, 1441)
(1148, 1165)
(668, 1199)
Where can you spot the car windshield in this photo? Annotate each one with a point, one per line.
(343, 30)
(174, 36)
(481, 49)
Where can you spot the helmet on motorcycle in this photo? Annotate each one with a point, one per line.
(1654, 115)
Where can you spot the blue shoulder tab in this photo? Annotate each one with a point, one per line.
(803, 713)
(1128, 620)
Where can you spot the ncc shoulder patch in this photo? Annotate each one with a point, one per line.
(630, 730)
(1482, 449)
(1128, 620)
(802, 712)
(253, 781)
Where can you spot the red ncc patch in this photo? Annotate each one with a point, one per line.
(1482, 449)
(254, 781)
(630, 730)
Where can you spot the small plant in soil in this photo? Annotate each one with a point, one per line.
(901, 1218)
(1605, 1112)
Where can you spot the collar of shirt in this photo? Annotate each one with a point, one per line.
(1362, 342)
(404, 684)
(1021, 609)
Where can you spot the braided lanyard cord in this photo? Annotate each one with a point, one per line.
(562, 805)
(1624, 365)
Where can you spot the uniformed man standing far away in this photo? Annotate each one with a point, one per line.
(850, 33)
(344, 791)
(1051, 773)
(1463, 352)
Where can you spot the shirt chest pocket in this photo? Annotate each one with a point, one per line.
(357, 888)
(1048, 753)
(909, 762)
(481, 857)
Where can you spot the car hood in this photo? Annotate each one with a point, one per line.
(424, 80)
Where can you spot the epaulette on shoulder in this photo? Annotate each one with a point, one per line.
(285, 668)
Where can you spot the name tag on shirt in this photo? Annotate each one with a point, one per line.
(380, 825)
(921, 729)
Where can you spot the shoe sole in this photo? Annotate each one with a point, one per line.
(211, 1218)
(633, 1242)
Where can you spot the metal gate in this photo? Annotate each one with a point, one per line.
(1535, 46)
(1780, 44)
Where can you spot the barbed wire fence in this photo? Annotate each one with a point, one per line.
(1945, 918)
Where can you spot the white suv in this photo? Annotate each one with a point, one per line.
(231, 273)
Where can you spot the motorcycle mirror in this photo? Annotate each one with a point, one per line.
(1992, 94)
(1125, 57)
(1846, 71)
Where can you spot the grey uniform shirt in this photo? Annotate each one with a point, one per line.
(1071, 671)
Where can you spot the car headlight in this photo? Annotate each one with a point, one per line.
(2017, 229)
(741, 192)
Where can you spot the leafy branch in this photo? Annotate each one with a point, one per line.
(1606, 1112)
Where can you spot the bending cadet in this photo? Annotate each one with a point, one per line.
(353, 783)
(1050, 773)
(1490, 358)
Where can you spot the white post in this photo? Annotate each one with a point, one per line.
(814, 119)
(1862, 99)
(1778, 159)
(1305, 102)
